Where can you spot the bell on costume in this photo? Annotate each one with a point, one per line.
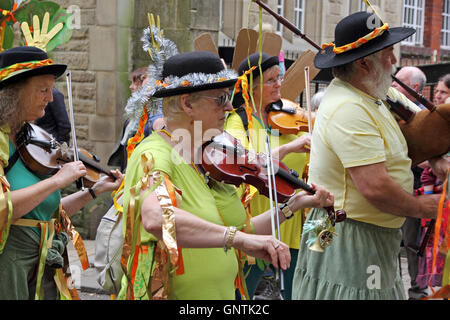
(324, 240)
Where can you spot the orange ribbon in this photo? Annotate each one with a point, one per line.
(437, 230)
(5, 72)
(356, 44)
(9, 14)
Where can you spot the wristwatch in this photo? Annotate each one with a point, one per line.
(288, 214)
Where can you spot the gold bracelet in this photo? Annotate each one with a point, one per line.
(229, 242)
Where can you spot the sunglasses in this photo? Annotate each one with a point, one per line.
(221, 100)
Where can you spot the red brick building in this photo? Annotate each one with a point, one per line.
(431, 43)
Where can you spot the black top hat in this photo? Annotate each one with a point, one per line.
(193, 71)
(31, 60)
(253, 61)
(352, 28)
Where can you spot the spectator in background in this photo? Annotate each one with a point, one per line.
(411, 229)
(442, 90)
(316, 99)
(412, 77)
(55, 120)
(118, 157)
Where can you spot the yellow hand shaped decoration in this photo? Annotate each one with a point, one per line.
(40, 38)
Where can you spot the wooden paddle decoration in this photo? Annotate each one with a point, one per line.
(271, 43)
(246, 44)
(204, 42)
(294, 80)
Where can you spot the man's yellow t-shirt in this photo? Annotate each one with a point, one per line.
(352, 129)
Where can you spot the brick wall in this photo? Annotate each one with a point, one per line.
(433, 23)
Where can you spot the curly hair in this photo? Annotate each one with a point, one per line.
(9, 105)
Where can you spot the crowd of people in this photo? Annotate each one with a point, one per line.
(189, 234)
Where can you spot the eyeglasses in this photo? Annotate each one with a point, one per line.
(220, 100)
(274, 80)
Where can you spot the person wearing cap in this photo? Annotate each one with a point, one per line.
(250, 126)
(27, 77)
(200, 221)
(360, 155)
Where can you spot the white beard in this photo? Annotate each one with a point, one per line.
(379, 83)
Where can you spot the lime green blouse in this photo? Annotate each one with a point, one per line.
(208, 273)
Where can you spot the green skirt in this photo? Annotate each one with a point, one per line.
(361, 264)
(18, 267)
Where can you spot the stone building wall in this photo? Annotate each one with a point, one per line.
(105, 47)
(321, 17)
(97, 56)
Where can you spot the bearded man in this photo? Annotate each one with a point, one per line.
(360, 155)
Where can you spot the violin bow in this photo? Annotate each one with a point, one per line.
(76, 156)
(276, 232)
(308, 99)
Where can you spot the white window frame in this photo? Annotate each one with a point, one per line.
(362, 6)
(413, 16)
(299, 11)
(280, 11)
(445, 31)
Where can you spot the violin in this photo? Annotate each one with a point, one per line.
(288, 117)
(226, 160)
(43, 155)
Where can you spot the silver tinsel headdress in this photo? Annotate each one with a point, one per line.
(159, 49)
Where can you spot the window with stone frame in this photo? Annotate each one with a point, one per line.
(280, 11)
(362, 5)
(299, 14)
(413, 17)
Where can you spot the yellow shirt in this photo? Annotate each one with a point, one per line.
(352, 129)
(290, 229)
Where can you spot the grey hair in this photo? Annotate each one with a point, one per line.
(172, 109)
(346, 71)
(420, 78)
(316, 99)
(9, 105)
(416, 76)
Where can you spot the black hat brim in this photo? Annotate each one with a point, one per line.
(54, 69)
(163, 92)
(328, 59)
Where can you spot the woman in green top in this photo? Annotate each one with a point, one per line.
(201, 222)
(251, 128)
(26, 81)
